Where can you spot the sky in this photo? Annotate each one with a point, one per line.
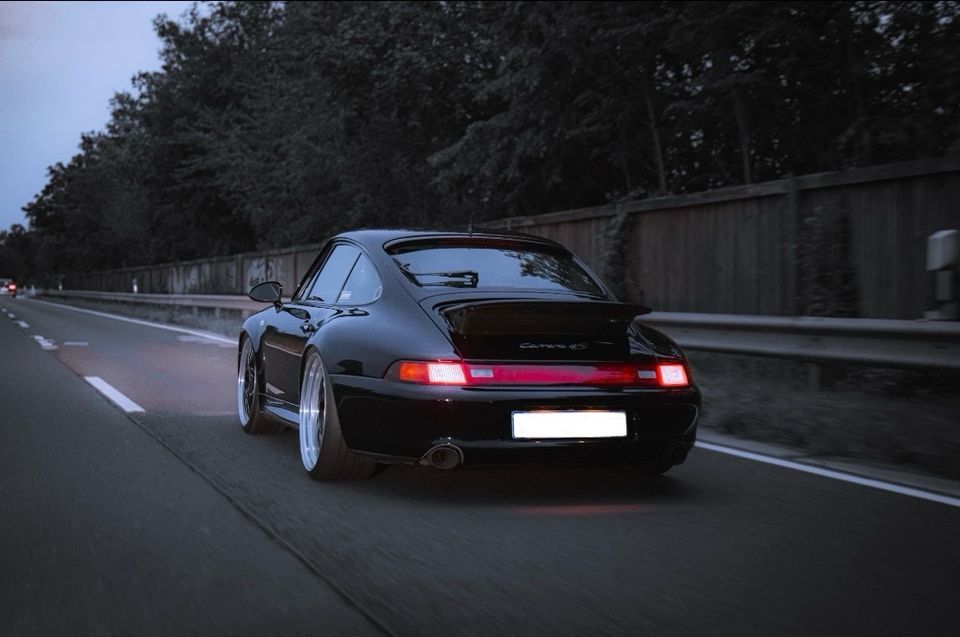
(60, 63)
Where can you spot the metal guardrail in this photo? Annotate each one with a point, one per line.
(208, 301)
(872, 342)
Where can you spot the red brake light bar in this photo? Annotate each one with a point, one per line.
(604, 374)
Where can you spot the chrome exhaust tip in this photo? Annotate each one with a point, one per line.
(443, 457)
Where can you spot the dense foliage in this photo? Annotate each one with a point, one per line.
(280, 123)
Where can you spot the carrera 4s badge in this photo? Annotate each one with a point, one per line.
(576, 347)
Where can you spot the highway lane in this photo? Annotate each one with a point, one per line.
(721, 545)
(103, 531)
(184, 372)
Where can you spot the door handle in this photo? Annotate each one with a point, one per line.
(307, 327)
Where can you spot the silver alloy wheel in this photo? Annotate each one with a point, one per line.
(246, 383)
(313, 412)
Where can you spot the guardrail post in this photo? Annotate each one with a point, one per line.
(239, 276)
(942, 260)
(790, 302)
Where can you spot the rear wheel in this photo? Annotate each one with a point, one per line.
(323, 451)
(248, 398)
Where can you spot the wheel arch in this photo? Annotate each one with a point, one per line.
(257, 357)
(315, 347)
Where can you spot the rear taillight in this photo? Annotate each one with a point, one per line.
(439, 373)
(599, 374)
(672, 375)
(12, 287)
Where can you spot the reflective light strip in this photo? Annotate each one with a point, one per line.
(586, 374)
(113, 394)
(536, 374)
(458, 373)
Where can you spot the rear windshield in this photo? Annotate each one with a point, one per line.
(485, 267)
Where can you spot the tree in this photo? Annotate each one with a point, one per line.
(275, 123)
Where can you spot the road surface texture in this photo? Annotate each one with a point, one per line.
(167, 519)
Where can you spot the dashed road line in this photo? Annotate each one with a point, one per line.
(23, 324)
(835, 475)
(75, 343)
(113, 394)
(45, 343)
(125, 319)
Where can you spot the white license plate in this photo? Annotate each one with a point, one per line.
(569, 424)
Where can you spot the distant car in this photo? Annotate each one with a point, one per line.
(8, 287)
(454, 350)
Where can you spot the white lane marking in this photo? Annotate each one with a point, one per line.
(205, 341)
(115, 396)
(213, 337)
(835, 475)
(12, 316)
(23, 324)
(45, 343)
(75, 343)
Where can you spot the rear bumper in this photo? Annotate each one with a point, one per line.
(401, 422)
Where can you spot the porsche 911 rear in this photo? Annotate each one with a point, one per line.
(523, 421)
(461, 349)
(562, 376)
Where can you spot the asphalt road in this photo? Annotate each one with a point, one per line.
(170, 520)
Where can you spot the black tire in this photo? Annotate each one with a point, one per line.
(323, 451)
(248, 393)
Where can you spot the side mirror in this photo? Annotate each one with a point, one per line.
(267, 292)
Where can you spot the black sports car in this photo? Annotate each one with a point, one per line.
(456, 349)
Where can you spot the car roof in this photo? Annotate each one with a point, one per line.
(377, 238)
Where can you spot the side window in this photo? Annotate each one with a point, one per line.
(363, 285)
(329, 279)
